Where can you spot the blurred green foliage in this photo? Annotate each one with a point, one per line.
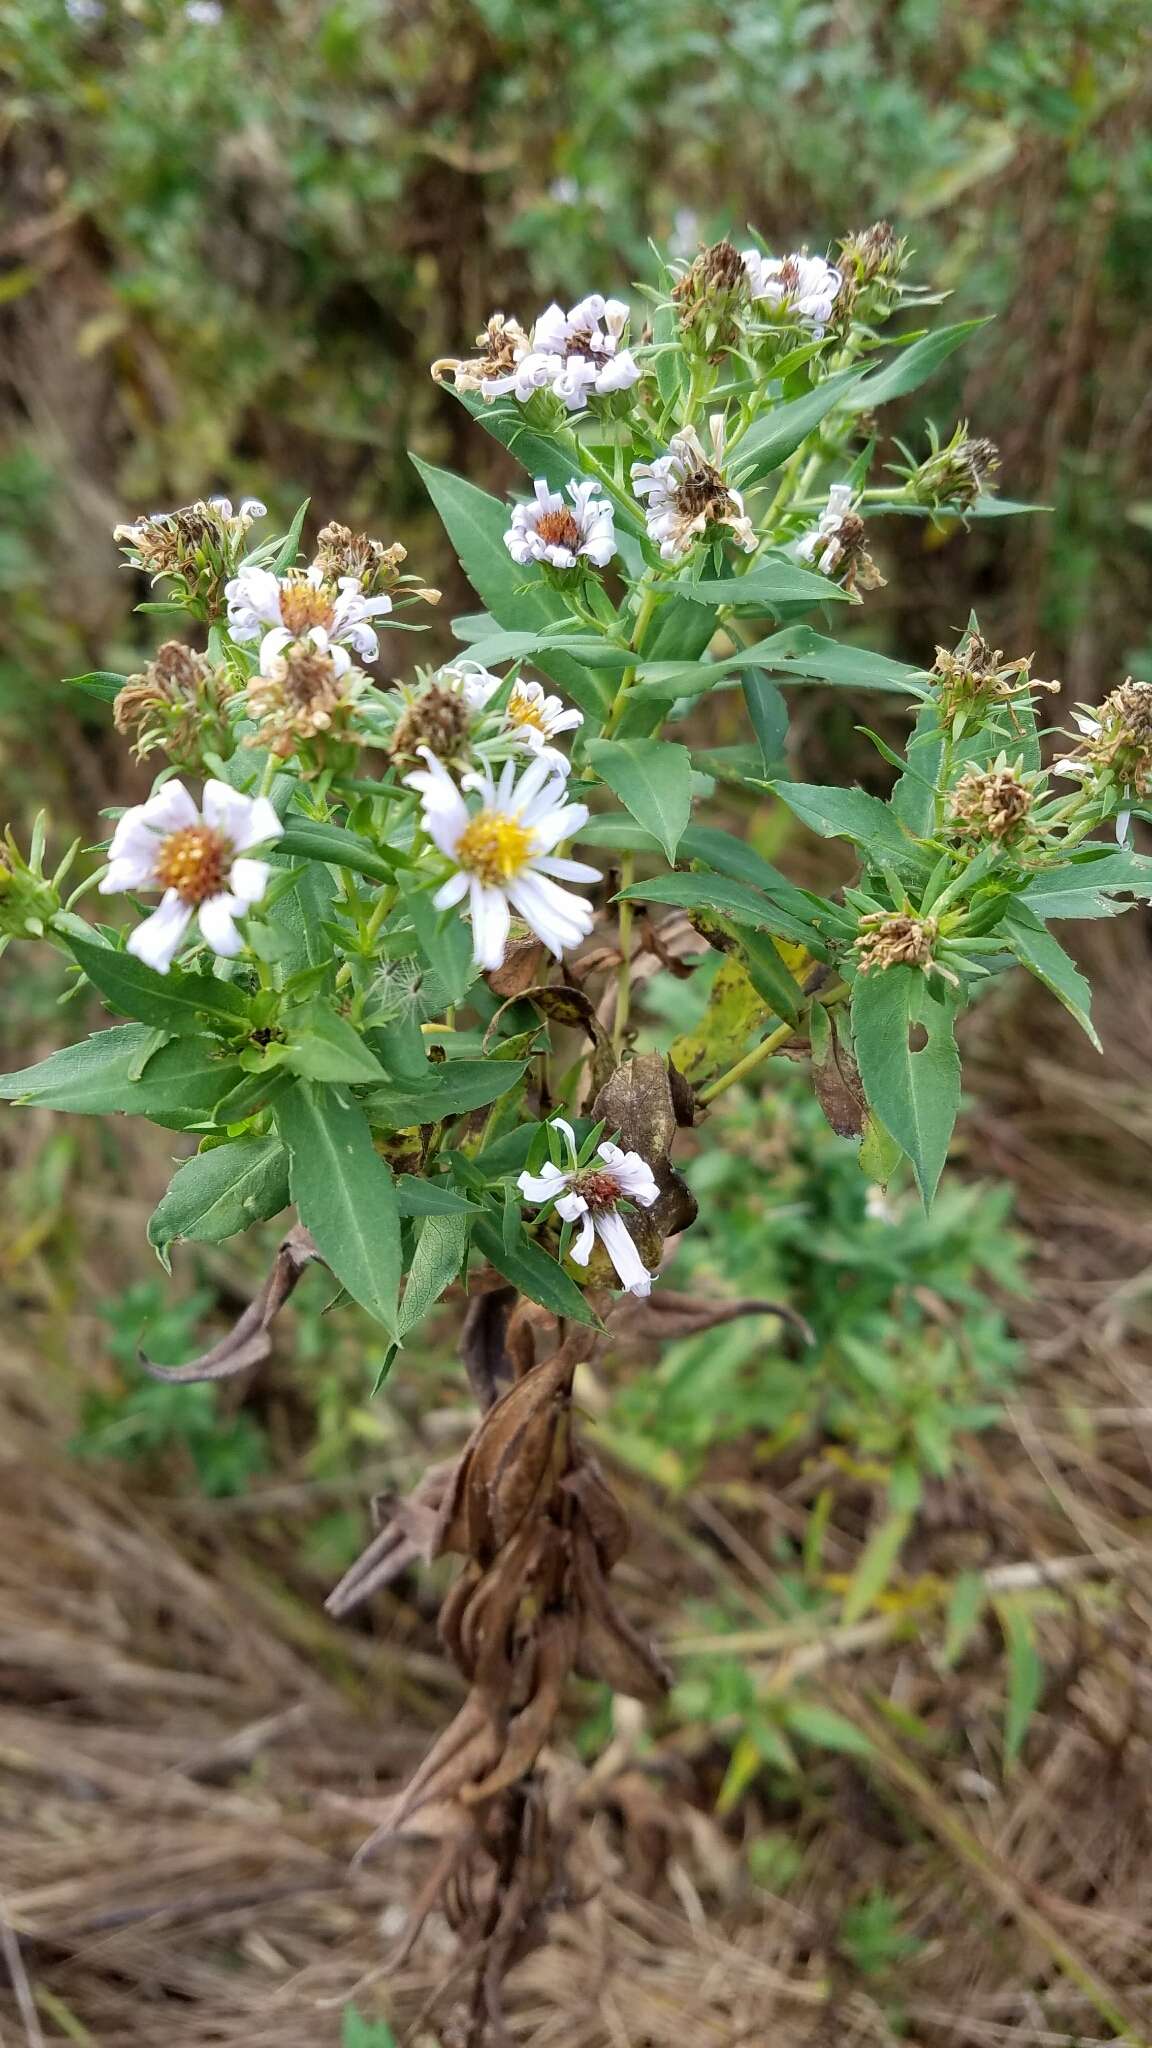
(236, 243)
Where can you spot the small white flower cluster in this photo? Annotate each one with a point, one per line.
(576, 355)
(532, 717)
(591, 1196)
(502, 852)
(801, 287)
(548, 530)
(199, 858)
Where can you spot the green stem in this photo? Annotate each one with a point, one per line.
(767, 1046)
(648, 602)
(624, 973)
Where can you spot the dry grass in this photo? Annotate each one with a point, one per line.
(190, 1753)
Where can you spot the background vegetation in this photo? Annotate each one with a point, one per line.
(902, 1570)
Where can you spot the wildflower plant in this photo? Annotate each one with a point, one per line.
(397, 966)
(696, 519)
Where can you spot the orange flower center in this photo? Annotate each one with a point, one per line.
(559, 529)
(599, 1189)
(195, 862)
(304, 604)
(494, 846)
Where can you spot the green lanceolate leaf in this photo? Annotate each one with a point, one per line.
(915, 1094)
(808, 656)
(774, 580)
(446, 943)
(653, 779)
(532, 1270)
(773, 439)
(324, 1046)
(416, 1197)
(172, 1001)
(912, 367)
(1084, 887)
(126, 1068)
(219, 1192)
(340, 848)
(1044, 956)
(300, 916)
(436, 1261)
(290, 545)
(853, 814)
(517, 597)
(99, 682)
(735, 900)
(344, 1193)
(451, 1089)
(768, 712)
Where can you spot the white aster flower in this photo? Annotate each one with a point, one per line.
(536, 718)
(304, 602)
(200, 858)
(548, 530)
(802, 285)
(502, 853)
(576, 355)
(591, 1195)
(687, 493)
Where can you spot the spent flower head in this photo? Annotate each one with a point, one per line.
(993, 802)
(954, 474)
(710, 297)
(871, 263)
(304, 690)
(1114, 754)
(687, 494)
(895, 938)
(198, 547)
(974, 675)
(178, 703)
(836, 545)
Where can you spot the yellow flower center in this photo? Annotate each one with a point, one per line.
(303, 604)
(559, 529)
(526, 710)
(494, 846)
(195, 862)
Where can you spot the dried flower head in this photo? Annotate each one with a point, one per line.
(340, 552)
(974, 673)
(956, 474)
(836, 545)
(198, 546)
(178, 703)
(305, 689)
(895, 938)
(503, 343)
(871, 263)
(710, 294)
(992, 803)
(439, 719)
(1116, 745)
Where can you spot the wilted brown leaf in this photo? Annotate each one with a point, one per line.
(248, 1342)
